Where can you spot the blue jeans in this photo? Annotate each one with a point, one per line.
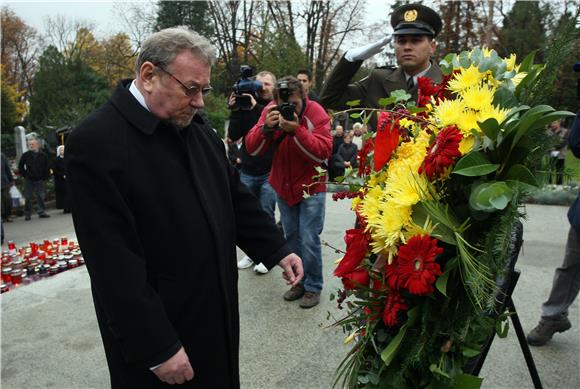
(303, 224)
(262, 189)
(38, 189)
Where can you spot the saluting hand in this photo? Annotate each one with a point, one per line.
(175, 370)
(293, 270)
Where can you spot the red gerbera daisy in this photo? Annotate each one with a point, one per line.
(442, 152)
(416, 265)
(393, 305)
(392, 274)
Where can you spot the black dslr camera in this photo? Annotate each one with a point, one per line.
(245, 84)
(286, 109)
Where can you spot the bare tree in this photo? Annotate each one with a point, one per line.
(138, 19)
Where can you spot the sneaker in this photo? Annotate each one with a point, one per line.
(545, 329)
(294, 293)
(245, 263)
(310, 299)
(44, 215)
(260, 268)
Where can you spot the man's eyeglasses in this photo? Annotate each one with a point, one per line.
(189, 90)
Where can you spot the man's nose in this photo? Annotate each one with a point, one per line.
(197, 101)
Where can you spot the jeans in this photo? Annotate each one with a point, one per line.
(262, 189)
(37, 188)
(566, 280)
(303, 225)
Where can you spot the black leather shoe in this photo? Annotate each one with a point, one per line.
(44, 216)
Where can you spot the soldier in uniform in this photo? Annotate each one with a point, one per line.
(415, 27)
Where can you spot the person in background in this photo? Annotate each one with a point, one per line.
(34, 167)
(235, 153)
(415, 27)
(59, 174)
(337, 140)
(7, 183)
(302, 143)
(346, 155)
(158, 212)
(567, 277)
(558, 155)
(357, 135)
(255, 170)
(305, 78)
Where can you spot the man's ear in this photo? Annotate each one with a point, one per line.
(147, 75)
(433, 46)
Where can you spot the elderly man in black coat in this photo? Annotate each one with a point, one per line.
(158, 211)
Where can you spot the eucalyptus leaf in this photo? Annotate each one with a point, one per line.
(490, 196)
(383, 102)
(400, 95)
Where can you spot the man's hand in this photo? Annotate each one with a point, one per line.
(175, 370)
(289, 126)
(365, 52)
(272, 117)
(293, 270)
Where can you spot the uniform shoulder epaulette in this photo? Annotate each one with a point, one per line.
(387, 67)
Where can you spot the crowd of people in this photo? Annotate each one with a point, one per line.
(151, 131)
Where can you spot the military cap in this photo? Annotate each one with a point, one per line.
(415, 19)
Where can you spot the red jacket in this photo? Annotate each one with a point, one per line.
(296, 155)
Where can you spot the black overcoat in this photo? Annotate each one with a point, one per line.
(158, 212)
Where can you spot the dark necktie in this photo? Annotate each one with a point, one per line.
(410, 83)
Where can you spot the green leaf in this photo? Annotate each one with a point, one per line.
(400, 95)
(474, 164)
(490, 196)
(353, 103)
(502, 327)
(355, 115)
(390, 351)
(528, 119)
(441, 283)
(383, 102)
(490, 128)
(470, 352)
(441, 232)
(528, 61)
(467, 381)
(436, 370)
(521, 173)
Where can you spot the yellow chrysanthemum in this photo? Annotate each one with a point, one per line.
(448, 112)
(377, 178)
(466, 144)
(406, 123)
(497, 113)
(406, 187)
(478, 97)
(466, 79)
(414, 149)
(510, 62)
(466, 122)
(387, 228)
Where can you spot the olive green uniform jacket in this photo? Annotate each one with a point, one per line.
(378, 84)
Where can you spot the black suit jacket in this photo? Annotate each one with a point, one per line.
(158, 212)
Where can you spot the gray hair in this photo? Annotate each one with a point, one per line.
(162, 47)
(267, 73)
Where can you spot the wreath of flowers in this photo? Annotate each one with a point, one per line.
(437, 194)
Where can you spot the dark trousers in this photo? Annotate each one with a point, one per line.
(38, 189)
(6, 204)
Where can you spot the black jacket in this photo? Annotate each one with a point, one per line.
(162, 258)
(241, 122)
(7, 177)
(34, 166)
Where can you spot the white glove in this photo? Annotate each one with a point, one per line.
(365, 52)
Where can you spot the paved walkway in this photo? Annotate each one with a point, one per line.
(50, 337)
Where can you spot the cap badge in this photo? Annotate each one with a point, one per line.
(410, 15)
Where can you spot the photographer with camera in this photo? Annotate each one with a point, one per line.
(298, 130)
(246, 103)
